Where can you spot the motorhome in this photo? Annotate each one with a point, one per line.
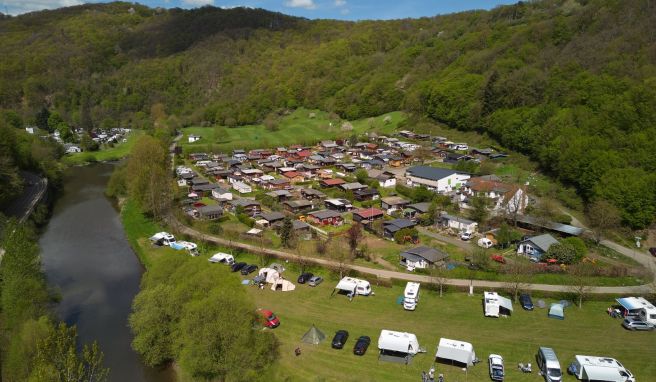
(398, 343)
(640, 308)
(496, 305)
(549, 365)
(411, 296)
(602, 369)
(224, 258)
(162, 238)
(354, 286)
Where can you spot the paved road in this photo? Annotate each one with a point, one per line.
(34, 189)
(388, 274)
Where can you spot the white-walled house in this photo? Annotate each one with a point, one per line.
(221, 194)
(457, 223)
(242, 187)
(437, 179)
(505, 198)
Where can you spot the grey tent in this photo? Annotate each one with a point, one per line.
(541, 304)
(313, 336)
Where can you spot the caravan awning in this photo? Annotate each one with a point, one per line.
(506, 303)
(600, 373)
(630, 303)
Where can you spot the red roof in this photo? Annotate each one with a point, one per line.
(369, 212)
(333, 182)
(304, 153)
(291, 174)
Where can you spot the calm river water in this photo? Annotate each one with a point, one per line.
(87, 257)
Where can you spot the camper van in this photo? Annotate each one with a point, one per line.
(398, 343)
(591, 368)
(162, 238)
(411, 296)
(496, 305)
(549, 365)
(191, 248)
(354, 286)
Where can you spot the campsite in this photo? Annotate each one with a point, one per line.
(455, 316)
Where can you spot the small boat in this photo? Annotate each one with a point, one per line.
(496, 367)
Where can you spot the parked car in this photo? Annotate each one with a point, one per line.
(466, 236)
(340, 339)
(304, 277)
(248, 269)
(237, 266)
(525, 300)
(315, 280)
(361, 345)
(498, 259)
(652, 250)
(635, 324)
(496, 367)
(268, 319)
(484, 242)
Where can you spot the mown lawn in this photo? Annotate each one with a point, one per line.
(119, 151)
(455, 315)
(296, 128)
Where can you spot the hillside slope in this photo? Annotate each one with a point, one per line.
(571, 83)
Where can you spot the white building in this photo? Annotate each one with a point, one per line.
(242, 187)
(436, 179)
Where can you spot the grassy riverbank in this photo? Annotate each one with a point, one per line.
(118, 151)
(455, 315)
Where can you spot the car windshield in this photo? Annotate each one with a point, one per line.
(554, 372)
(497, 372)
(271, 317)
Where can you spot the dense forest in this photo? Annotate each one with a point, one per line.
(570, 83)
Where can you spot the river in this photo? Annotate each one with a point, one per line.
(86, 256)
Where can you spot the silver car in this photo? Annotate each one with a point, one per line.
(315, 280)
(635, 324)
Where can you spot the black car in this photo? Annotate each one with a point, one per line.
(525, 300)
(248, 269)
(652, 250)
(361, 345)
(237, 266)
(340, 339)
(304, 277)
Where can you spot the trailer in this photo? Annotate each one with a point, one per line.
(162, 238)
(354, 287)
(455, 352)
(599, 369)
(398, 343)
(190, 247)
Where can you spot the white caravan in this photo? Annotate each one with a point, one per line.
(602, 369)
(639, 307)
(411, 296)
(162, 238)
(398, 342)
(496, 305)
(190, 247)
(354, 286)
(455, 352)
(221, 257)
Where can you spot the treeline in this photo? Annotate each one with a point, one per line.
(33, 345)
(202, 318)
(571, 83)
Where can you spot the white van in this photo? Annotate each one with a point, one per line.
(484, 242)
(587, 367)
(411, 296)
(549, 365)
(354, 286)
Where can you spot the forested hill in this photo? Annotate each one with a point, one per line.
(572, 83)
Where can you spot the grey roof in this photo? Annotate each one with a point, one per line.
(204, 187)
(272, 216)
(544, 242)
(394, 200)
(312, 191)
(420, 207)
(431, 254)
(353, 186)
(431, 173)
(297, 224)
(278, 193)
(209, 210)
(298, 203)
(398, 224)
(558, 227)
(456, 218)
(243, 202)
(325, 214)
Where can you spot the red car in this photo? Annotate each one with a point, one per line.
(268, 319)
(498, 259)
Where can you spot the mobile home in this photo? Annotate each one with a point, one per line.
(354, 286)
(455, 352)
(639, 307)
(398, 343)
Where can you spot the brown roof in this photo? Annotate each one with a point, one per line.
(367, 213)
(333, 182)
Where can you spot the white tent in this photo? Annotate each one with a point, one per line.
(458, 352)
(400, 342)
(283, 285)
(270, 274)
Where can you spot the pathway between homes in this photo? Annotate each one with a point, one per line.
(388, 274)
